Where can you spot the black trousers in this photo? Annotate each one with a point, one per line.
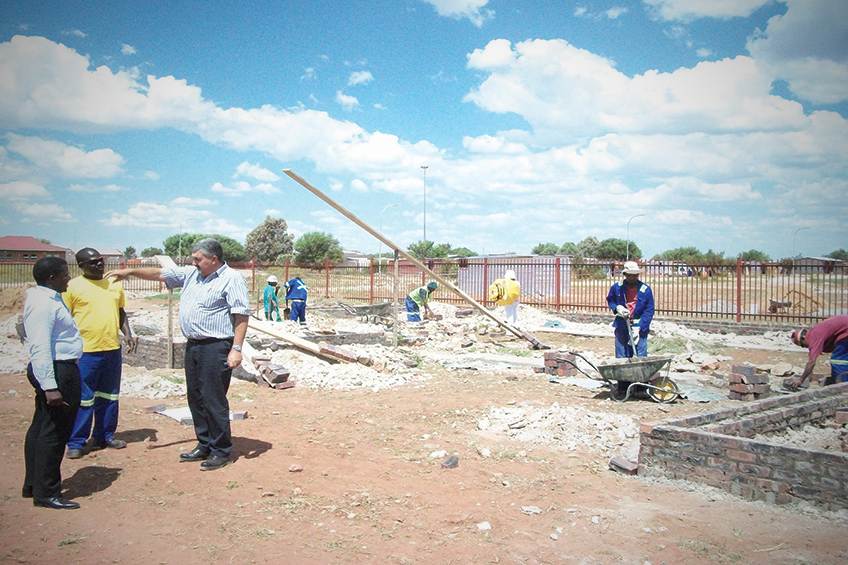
(50, 430)
(207, 383)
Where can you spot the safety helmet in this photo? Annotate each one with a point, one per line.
(510, 274)
(272, 279)
(432, 285)
(631, 268)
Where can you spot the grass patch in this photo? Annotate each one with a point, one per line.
(177, 380)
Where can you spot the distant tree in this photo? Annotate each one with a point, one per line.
(129, 252)
(45, 241)
(269, 240)
(151, 251)
(682, 254)
(616, 249)
(754, 255)
(179, 246)
(316, 247)
(714, 258)
(838, 254)
(463, 252)
(587, 247)
(545, 249)
(568, 248)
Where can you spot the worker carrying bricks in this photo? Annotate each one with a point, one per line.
(829, 336)
(632, 301)
(420, 298)
(506, 292)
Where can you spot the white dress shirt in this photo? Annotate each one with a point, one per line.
(51, 333)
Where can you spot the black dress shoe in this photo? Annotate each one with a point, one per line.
(214, 462)
(195, 454)
(26, 492)
(56, 502)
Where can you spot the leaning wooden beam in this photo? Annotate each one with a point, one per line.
(168, 263)
(444, 282)
(321, 350)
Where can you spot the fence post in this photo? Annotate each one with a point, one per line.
(253, 270)
(558, 282)
(738, 289)
(326, 277)
(287, 269)
(485, 293)
(371, 283)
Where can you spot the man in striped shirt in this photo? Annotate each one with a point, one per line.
(214, 310)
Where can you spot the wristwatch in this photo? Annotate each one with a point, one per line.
(237, 347)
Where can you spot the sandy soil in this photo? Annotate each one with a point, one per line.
(324, 475)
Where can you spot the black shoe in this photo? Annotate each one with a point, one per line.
(214, 462)
(74, 454)
(56, 502)
(26, 492)
(112, 443)
(196, 454)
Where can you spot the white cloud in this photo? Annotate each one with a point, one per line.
(57, 158)
(359, 77)
(22, 191)
(544, 81)
(493, 144)
(358, 186)
(807, 47)
(44, 214)
(240, 188)
(703, 53)
(346, 101)
(75, 33)
(615, 12)
(95, 188)
(151, 175)
(255, 172)
(689, 10)
(308, 73)
(153, 216)
(458, 9)
(127, 49)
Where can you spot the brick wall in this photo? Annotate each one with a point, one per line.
(709, 326)
(715, 448)
(152, 353)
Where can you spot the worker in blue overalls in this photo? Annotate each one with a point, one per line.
(296, 292)
(632, 301)
(418, 299)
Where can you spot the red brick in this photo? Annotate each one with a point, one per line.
(743, 369)
(285, 385)
(842, 416)
(623, 465)
(741, 389)
(741, 456)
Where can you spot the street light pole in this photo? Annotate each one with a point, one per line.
(424, 168)
(628, 234)
(793, 240)
(380, 252)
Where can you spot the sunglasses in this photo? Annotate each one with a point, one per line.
(96, 261)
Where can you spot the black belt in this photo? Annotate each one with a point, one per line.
(209, 340)
(69, 361)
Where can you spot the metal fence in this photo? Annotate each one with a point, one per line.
(741, 292)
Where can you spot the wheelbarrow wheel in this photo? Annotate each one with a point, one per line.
(618, 390)
(663, 390)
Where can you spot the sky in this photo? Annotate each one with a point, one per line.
(719, 125)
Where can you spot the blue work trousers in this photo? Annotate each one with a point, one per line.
(97, 416)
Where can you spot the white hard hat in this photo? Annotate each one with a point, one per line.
(631, 268)
(510, 274)
(272, 279)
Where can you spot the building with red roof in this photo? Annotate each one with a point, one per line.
(25, 249)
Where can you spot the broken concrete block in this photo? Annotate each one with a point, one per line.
(623, 465)
(155, 408)
(238, 415)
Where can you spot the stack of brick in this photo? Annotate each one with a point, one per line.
(338, 352)
(747, 384)
(271, 375)
(559, 364)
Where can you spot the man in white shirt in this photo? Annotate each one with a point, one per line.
(55, 346)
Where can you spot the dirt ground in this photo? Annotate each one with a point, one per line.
(342, 476)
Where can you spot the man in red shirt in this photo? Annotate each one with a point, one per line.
(830, 336)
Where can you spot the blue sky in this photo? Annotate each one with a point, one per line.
(723, 122)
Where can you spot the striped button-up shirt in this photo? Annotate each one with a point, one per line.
(51, 334)
(207, 305)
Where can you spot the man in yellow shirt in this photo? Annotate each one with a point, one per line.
(97, 305)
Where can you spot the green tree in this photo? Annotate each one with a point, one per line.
(616, 249)
(545, 249)
(45, 241)
(269, 240)
(316, 247)
(838, 254)
(179, 246)
(129, 252)
(569, 248)
(150, 251)
(587, 247)
(682, 254)
(463, 252)
(754, 255)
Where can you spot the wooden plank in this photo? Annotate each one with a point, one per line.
(267, 328)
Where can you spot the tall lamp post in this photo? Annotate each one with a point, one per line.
(793, 240)
(628, 233)
(424, 168)
(380, 252)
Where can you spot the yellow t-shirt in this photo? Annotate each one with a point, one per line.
(95, 308)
